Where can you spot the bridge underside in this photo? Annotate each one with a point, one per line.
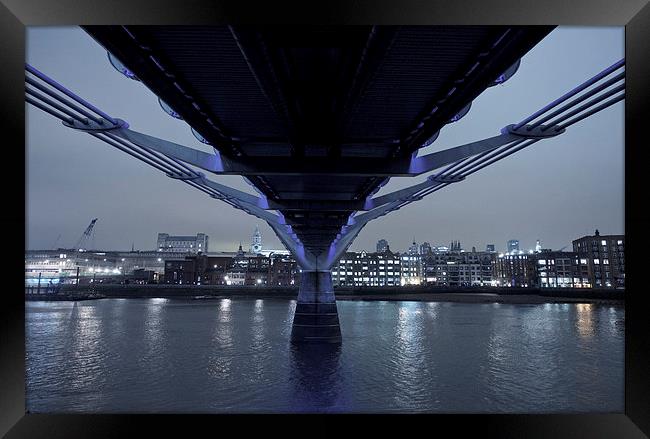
(317, 118)
(316, 112)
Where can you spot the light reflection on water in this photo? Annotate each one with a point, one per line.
(159, 355)
(584, 322)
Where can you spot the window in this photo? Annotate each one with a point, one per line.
(596, 261)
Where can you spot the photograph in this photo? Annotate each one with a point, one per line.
(499, 294)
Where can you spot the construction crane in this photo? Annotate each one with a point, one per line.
(84, 238)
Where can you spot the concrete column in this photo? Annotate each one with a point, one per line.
(316, 319)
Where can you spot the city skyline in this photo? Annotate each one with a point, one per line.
(71, 179)
(246, 243)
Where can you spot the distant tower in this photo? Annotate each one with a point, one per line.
(538, 247)
(382, 246)
(256, 242)
(513, 245)
(413, 249)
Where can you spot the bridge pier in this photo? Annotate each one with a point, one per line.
(316, 319)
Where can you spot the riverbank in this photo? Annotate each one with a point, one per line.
(426, 294)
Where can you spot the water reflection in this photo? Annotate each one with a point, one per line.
(585, 320)
(395, 356)
(259, 346)
(409, 362)
(223, 330)
(86, 350)
(220, 361)
(152, 323)
(315, 372)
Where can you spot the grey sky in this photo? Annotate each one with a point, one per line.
(556, 190)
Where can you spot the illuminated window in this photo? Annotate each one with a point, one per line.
(596, 261)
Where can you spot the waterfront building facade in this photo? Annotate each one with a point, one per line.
(605, 257)
(368, 269)
(513, 269)
(457, 268)
(239, 269)
(556, 269)
(411, 267)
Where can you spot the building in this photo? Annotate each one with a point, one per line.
(70, 266)
(236, 269)
(425, 248)
(457, 268)
(557, 269)
(368, 269)
(513, 269)
(513, 245)
(455, 246)
(411, 267)
(490, 248)
(382, 246)
(284, 271)
(413, 249)
(182, 244)
(258, 271)
(256, 241)
(605, 257)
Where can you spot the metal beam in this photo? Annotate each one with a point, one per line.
(349, 166)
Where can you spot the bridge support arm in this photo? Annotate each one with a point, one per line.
(194, 157)
(430, 162)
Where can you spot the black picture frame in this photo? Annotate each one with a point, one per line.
(15, 15)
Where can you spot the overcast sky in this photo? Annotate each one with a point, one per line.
(556, 190)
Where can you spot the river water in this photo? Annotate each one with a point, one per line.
(233, 356)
